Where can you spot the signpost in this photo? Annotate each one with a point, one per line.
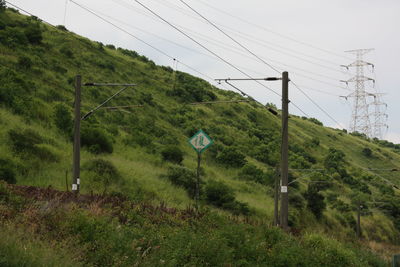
(200, 142)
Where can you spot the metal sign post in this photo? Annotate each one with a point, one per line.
(200, 142)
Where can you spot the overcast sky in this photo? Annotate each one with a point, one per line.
(305, 37)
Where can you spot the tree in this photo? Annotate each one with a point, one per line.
(2, 5)
(172, 154)
(315, 200)
(63, 118)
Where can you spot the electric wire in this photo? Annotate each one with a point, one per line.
(274, 32)
(235, 50)
(266, 63)
(230, 37)
(235, 31)
(316, 104)
(201, 45)
(139, 39)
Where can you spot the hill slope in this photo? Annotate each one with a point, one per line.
(143, 153)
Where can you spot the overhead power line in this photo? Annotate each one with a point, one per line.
(316, 104)
(266, 63)
(230, 37)
(203, 46)
(236, 51)
(273, 32)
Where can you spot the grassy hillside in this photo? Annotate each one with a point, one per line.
(142, 153)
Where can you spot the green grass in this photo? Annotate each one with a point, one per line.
(166, 119)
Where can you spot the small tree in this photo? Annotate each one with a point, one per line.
(367, 152)
(63, 118)
(2, 5)
(172, 154)
(315, 200)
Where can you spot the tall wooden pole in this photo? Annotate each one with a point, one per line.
(284, 152)
(276, 197)
(198, 180)
(77, 137)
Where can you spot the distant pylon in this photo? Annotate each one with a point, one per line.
(360, 120)
(379, 116)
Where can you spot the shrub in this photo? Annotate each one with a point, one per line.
(2, 5)
(183, 177)
(96, 140)
(231, 157)
(62, 28)
(110, 46)
(67, 51)
(63, 118)
(24, 62)
(315, 200)
(250, 172)
(102, 172)
(172, 154)
(367, 152)
(33, 33)
(24, 140)
(12, 37)
(220, 195)
(334, 159)
(7, 171)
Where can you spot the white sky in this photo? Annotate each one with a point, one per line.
(335, 26)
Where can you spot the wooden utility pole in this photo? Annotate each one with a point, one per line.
(284, 152)
(198, 181)
(76, 168)
(276, 197)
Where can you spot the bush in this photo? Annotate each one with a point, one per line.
(24, 140)
(103, 172)
(250, 172)
(367, 152)
(2, 5)
(334, 159)
(220, 195)
(12, 37)
(96, 140)
(63, 118)
(231, 157)
(25, 62)
(315, 200)
(183, 177)
(33, 33)
(172, 154)
(7, 171)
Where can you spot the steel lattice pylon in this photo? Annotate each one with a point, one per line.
(360, 119)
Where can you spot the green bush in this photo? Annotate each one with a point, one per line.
(172, 154)
(220, 195)
(24, 141)
(103, 172)
(315, 200)
(96, 140)
(367, 152)
(2, 5)
(33, 33)
(13, 37)
(62, 118)
(334, 159)
(7, 171)
(250, 172)
(24, 62)
(183, 177)
(231, 157)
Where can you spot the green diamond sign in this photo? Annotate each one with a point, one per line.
(200, 141)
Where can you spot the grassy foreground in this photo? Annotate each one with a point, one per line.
(45, 227)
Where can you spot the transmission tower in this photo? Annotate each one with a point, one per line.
(360, 119)
(379, 116)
